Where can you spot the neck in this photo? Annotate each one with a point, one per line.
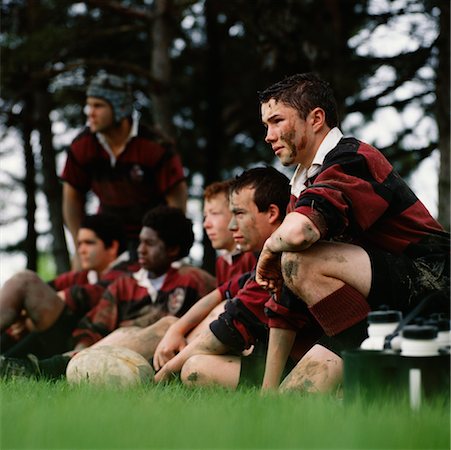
(309, 156)
(117, 137)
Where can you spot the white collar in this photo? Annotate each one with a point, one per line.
(152, 285)
(302, 174)
(104, 143)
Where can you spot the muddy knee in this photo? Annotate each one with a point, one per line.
(191, 373)
(294, 271)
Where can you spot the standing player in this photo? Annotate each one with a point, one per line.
(130, 168)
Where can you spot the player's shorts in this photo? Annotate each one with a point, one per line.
(253, 367)
(57, 339)
(399, 283)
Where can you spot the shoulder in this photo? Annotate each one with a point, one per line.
(85, 136)
(123, 281)
(191, 272)
(153, 137)
(194, 277)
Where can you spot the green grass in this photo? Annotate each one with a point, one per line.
(56, 415)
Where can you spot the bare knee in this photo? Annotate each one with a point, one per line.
(296, 271)
(319, 371)
(212, 370)
(191, 373)
(162, 325)
(21, 282)
(14, 294)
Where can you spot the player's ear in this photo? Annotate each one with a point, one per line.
(173, 252)
(114, 248)
(318, 118)
(273, 213)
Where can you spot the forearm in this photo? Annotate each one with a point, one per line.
(73, 209)
(177, 196)
(279, 348)
(204, 344)
(197, 313)
(297, 232)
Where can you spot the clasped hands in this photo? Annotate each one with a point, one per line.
(269, 273)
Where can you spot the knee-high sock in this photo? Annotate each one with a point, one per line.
(340, 310)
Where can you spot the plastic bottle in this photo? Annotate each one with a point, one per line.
(380, 325)
(419, 340)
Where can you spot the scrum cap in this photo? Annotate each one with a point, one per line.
(115, 91)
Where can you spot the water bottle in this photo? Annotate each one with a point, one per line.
(380, 325)
(443, 326)
(419, 341)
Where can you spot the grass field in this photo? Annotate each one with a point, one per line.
(45, 415)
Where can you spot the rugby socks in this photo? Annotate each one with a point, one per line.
(340, 310)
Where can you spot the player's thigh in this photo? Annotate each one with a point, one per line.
(207, 370)
(319, 370)
(213, 315)
(346, 262)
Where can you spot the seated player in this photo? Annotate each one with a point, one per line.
(217, 216)
(258, 201)
(158, 290)
(29, 304)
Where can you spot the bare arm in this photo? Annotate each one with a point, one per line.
(174, 339)
(204, 344)
(296, 233)
(279, 347)
(177, 196)
(73, 212)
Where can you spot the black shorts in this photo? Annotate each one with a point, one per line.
(57, 339)
(399, 283)
(253, 367)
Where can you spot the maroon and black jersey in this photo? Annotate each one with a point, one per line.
(126, 302)
(236, 264)
(68, 279)
(357, 197)
(245, 320)
(80, 294)
(138, 180)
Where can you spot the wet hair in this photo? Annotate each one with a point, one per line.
(270, 187)
(304, 92)
(107, 228)
(216, 188)
(172, 227)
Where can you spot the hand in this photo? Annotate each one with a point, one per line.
(204, 344)
(269, 273)
(172, 343)
(173, 366)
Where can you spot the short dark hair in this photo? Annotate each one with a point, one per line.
(304, 92)
(107, 228)
(216, 188)
(270, 185)
(172, 227)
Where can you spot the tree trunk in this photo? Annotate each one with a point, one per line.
(161, 67)
(443, 115)
(50, 185)
(30, 247)
(213, 127)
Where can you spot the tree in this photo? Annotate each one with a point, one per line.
(196, 68)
